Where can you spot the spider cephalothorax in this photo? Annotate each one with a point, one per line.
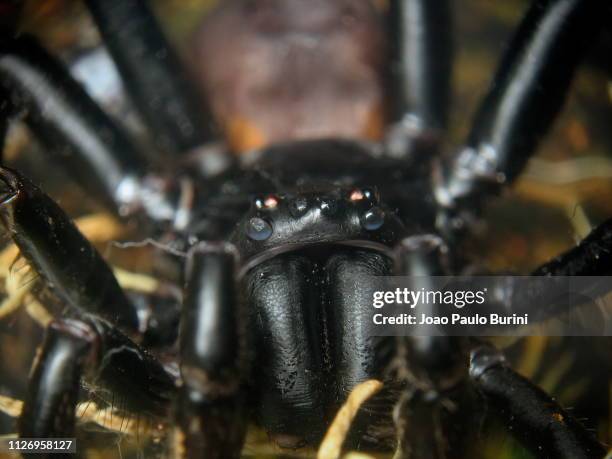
(278, 242)
(287, 222)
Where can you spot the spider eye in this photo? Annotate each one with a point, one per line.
(328, 206)
(258, 229)
(298, 207)
(370, 194)
(269, 202)
(259, 202)
(356, 195)
(373, 219)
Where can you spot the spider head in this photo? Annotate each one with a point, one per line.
(279, 223)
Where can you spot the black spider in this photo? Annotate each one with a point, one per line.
(271, 312)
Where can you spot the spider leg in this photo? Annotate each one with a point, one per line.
(60, 254)
(592, 257)
(525, 95)
(434, 367)
(550, 297)
(153, 75)
(74, 129)
(108, 360)
(210, 408)
(530, 414)
(422, 257)
(428, 414)
(421, 48)
(53, 390)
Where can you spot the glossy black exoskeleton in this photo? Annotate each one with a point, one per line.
(274, 242)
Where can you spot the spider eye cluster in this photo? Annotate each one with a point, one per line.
(298, 207)
(373, 218)
(328, 206)
(258, 229)
(267, 202)
(363, 194)
(359, 205)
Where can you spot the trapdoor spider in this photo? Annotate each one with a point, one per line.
(270, 320)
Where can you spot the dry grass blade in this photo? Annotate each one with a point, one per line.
(10, 406)
(136, 281)
(108, 418)
(331, 447)
(14, 301)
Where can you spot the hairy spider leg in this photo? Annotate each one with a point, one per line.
(107, 359)
(153, 75)
(526, 93)
(53, 389)
(70, 125)
(535, 418)
(60, 254)
(210, 408)
(420, 35)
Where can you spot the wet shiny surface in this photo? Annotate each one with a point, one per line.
(544, 214)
